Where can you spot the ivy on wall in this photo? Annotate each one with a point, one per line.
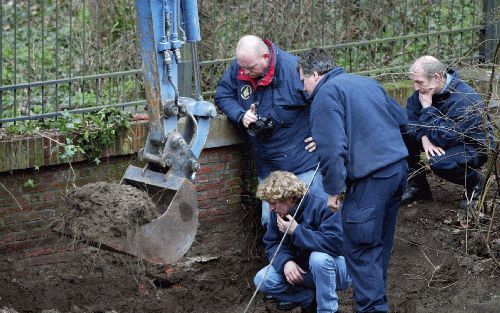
(85, 133)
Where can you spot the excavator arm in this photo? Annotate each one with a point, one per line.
(170, 154)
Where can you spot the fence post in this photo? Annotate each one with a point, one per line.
(491, 31)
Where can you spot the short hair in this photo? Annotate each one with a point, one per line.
(281, 186)
(316, 60)
(429, 65)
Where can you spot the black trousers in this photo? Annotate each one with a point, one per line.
(459, 164)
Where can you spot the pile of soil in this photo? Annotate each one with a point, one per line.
(105, 210)
(438, 265)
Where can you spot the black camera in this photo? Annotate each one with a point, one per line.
(262, 128)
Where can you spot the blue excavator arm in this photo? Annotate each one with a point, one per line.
(170, 153)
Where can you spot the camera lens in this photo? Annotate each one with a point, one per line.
(254, 128)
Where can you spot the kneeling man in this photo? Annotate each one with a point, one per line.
(308, 267)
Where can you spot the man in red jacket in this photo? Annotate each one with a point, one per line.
(262, 94)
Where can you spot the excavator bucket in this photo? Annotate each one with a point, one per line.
(165, 239)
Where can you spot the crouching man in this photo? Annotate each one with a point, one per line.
(308, 267)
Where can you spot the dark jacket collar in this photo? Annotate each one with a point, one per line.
(445, 94)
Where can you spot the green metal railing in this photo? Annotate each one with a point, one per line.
(82, 55)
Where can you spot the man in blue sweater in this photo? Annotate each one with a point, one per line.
(308, 266)
(262, 94)
(356, 126)
(445, 120)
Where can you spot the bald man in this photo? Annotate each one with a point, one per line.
(445, 122)
(262, 94)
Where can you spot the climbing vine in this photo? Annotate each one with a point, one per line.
(84, 133)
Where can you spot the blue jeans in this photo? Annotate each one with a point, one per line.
(369, 218)
(326, 274)
(316, 188)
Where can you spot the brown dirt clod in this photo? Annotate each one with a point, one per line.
(105, 210)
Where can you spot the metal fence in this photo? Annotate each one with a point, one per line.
(82, 55)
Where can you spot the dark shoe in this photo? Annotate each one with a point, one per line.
(473, 196)
(269, 298)
(311, 308)
(464, 204)
(416, 193)
(286, 305)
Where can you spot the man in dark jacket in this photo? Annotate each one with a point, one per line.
(261, 93)
(310, 257)
(356, 126)
(446, 122)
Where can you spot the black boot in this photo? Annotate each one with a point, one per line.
(417, 190)
(286, 305)
(311, 308)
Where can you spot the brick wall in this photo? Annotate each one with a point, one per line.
(26, 210)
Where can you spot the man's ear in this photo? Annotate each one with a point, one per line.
(440, 77)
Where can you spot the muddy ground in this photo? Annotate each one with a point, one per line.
(437, 266)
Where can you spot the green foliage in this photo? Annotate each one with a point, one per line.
(99, 130)
(69, 150)
(25, 128)
(88, 134)
(30, 183)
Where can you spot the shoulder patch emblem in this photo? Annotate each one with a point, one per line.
(246, 91)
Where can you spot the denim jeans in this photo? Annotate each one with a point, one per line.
(316, 189)
(326, 274)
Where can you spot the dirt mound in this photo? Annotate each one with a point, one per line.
(105, 210)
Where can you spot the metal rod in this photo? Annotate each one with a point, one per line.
(30, 48)
(1, 51)
(68, 80)
(75, 111)
(70, 67)
(362, 42)
(57, 55)
(84, 55)
(197, 75)
(42, 8)
(15, 57)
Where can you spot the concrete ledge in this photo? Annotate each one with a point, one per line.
(37, 151)
(222, 133)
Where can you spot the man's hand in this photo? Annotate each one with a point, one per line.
(334, 203)
(293, 273)
(283, 225)
(425, 97)
(430, 149)
(310, 144)
(250, 116)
